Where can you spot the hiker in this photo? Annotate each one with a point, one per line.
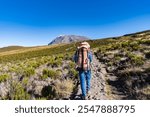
(83, 59)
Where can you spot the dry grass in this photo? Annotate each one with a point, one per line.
(64, 88)
(108, 90)
(146, 90)
(23, 50)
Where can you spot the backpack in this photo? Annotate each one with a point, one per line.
(83, 62)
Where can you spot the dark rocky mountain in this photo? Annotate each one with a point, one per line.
(68, 39)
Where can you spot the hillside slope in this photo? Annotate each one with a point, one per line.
(127, 62)
(10, 48)
(120, 70)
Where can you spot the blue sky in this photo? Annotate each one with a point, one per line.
(37, 22)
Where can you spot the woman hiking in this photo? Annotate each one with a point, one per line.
(83, 59)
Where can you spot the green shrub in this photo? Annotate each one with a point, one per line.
(68, 56)
(19, 71)
(110, 63)
(60, 56)
(13, 69)
(147, 42)
(4, 77)
(72, 65)
(102, 49)
(57, 63)
(125, 44)
(138, 60)
(25, 81)
(44, 76)
(115, 46)
(50, 73)
(59, 72)
(135, 45)
(18, 92)
(1, 70)
(50, 62)
(34, 64)
(135, 59)
(117, 59)
(73, 73)
(28, 71)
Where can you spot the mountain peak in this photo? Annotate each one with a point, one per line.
(68, 39)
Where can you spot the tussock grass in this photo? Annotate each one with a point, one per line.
(64, 88)
(4, 77)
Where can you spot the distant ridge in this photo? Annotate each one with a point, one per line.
(9, 48)
(68, 39)
(140, 32)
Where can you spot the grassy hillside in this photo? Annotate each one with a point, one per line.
(129, 60)
(10, 48)
(26, 53)
(47, 72)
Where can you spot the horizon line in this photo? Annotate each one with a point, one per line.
(79, 35)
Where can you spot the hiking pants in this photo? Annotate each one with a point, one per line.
(85, 79)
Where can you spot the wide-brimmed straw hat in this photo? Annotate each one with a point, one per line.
(84, 44)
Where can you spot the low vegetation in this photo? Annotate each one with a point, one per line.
(47, 72)
(40, 77)
(128, 59)
(4, 77)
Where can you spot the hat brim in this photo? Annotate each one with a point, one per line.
(84, 46)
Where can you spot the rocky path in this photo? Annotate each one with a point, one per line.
(98, 82)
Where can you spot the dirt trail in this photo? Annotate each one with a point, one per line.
(98, 82)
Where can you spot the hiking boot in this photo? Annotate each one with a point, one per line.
(88, 93)
(83, 97)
